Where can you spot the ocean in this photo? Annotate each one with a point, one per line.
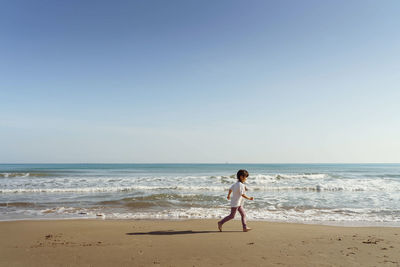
(338, 194)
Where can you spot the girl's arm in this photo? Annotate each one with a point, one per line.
(229, 194)
(243, 194)
(246, 197)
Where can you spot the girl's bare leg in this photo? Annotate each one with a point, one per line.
(243, 214)
(227, 218)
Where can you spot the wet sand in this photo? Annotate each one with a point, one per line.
(193, 243)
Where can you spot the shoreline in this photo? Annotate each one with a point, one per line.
(194, 242)
(356, 224)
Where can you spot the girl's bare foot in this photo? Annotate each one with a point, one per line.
(220, 226)
(246, 229)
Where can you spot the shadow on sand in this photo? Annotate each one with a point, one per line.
(172, 232)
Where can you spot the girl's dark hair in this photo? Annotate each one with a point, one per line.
(242, 173)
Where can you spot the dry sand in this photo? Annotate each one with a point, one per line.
(193, 243)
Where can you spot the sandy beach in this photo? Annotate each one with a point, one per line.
(193, 243)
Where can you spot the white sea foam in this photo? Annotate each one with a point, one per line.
(110, 189)
(13, 174)
(57, 186)
(310, 195)
(332, 216)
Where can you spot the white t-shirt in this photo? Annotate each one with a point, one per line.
(238, 189)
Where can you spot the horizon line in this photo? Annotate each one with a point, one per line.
(220, 163)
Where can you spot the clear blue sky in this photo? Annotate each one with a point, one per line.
(199, 81)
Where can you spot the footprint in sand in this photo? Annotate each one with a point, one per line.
(388, 261)
(372, 240)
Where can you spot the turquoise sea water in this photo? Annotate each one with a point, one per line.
(349, 194)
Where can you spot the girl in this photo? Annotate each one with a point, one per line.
(238, 189)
